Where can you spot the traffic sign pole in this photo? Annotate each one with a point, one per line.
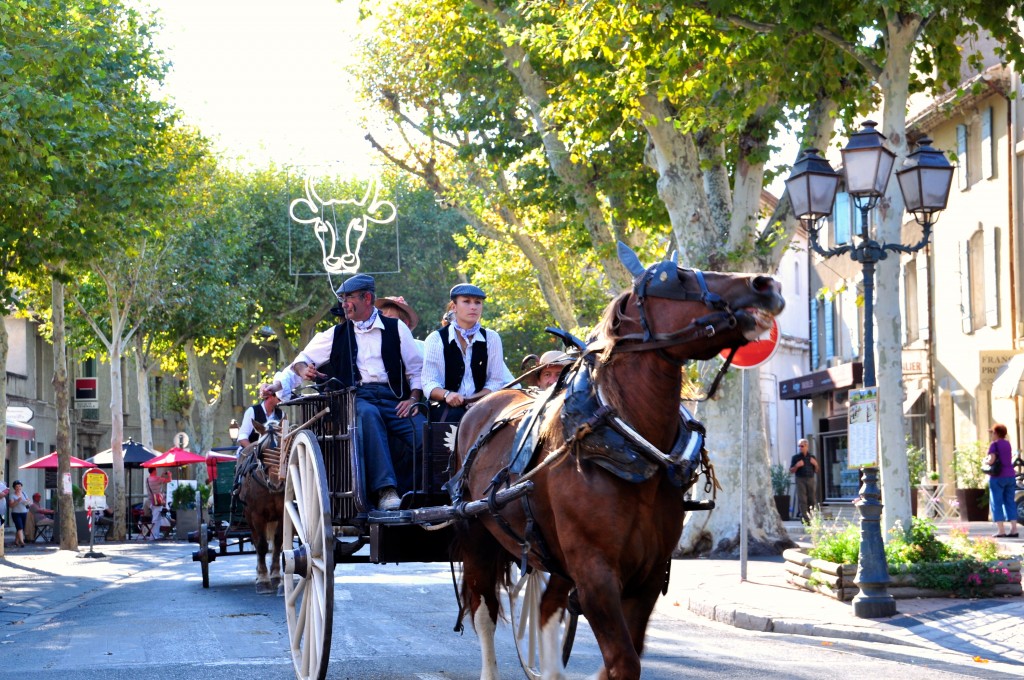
(95, 483)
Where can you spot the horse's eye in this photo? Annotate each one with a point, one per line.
(762, 284)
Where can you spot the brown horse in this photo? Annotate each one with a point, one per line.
(600, 522)
(263, 496)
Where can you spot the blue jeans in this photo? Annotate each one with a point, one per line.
(388, 442)
(1000, 496)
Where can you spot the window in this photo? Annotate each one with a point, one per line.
(961, 157)
(988, 165)
(914, 298)
(156, 396)
(979, 280)
(239, 388)
(830, 332)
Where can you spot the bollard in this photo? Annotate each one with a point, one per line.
(873, 601)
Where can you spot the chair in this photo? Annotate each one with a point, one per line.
(936, 506)
(38, 526)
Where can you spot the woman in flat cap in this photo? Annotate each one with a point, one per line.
(462, 361)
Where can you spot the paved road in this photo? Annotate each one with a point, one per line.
(142, 613)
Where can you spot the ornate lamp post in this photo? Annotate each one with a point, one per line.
(924, 180)
(233, 428)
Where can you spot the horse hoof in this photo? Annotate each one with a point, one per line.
(275, 582)
(263, 588)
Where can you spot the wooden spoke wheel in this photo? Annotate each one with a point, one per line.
(308, 558)
(204, 556)
(524, 610)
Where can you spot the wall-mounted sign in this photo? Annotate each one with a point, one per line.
(87, 393)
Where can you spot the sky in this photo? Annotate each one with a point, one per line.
(265, 79)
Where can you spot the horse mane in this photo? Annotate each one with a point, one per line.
(606, 332)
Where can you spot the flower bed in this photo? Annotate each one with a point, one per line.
(960, 578)
(920, 564)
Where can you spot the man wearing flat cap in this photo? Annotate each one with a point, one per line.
(462, 361)
(377, 355)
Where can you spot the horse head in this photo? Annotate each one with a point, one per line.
(687, 313)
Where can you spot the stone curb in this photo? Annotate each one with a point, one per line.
(739, 616)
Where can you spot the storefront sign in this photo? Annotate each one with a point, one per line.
(990, 361)
(835, 378)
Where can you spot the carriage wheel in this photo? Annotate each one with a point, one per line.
(524, 610)
(308, 558)
(204, 557)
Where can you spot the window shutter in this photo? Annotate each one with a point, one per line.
(965, 287)
(850, 316)
(815, 354)
(991, 236)
(903, 304)
(923, 287)
(843, 213)
(987, 151)
(961, 156)
(830, 333)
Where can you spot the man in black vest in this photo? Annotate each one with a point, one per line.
(379, 356)
(462, 361)
(804, 467)
(258, 413)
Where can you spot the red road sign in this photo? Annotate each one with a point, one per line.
(755, 353)
(95, 482)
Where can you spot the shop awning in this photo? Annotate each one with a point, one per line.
(1007, 382)
(913, 395)
(835, 378)
(18, 430)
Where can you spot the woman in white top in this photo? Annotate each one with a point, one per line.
(462, 361)
(18, 501)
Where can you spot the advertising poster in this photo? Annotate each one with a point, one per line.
(863, 427)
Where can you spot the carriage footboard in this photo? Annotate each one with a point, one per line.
(441, 513)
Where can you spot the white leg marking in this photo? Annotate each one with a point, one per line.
(485, 631)
(551, 649)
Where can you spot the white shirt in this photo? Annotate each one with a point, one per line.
(433, 363)
(245, 429)
(368, 357)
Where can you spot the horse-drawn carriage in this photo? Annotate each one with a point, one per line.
(572, 500)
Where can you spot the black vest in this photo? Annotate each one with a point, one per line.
(455, 366)
(343, 356)
(259, 414)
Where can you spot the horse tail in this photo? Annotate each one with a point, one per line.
(472, 538)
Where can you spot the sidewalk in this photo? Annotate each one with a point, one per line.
(990, 629)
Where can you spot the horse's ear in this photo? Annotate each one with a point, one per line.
(630, 260)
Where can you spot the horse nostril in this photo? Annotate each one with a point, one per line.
(763, 284)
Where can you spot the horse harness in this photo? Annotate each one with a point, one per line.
(252, 465)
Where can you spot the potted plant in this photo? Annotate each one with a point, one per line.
(916, 467)
(183, 502)
(780, 487)
(970, 481)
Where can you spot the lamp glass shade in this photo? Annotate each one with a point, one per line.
(867, 170)
(925, 180)
(812, 186)
(233, 429)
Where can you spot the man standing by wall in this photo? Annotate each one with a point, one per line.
(804, 467)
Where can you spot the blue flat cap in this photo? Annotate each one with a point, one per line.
(468, 289)
(357, 283)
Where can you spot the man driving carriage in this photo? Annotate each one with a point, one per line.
(378, 356)
(258, 413)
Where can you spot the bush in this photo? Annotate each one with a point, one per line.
(185, 496)
(831, 542)
(78, 497)
(967, 460)
(780, 479)
(916, 464)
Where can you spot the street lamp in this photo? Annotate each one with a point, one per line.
(233, 428)
(924, 181)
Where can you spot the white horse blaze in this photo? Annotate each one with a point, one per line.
(485, 631)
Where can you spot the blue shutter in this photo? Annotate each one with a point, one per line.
(965, 287)
(815, 349)
(988, 167)
(991, 240)
(830, 332)
(961, 156)
(842, 213)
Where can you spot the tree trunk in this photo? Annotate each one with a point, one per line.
(718, 532)
(117, 530)
(62, 398)
(142, 385)
(902, 34)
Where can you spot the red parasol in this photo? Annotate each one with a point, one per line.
(212, 458)
(174, 458)
(49, 462)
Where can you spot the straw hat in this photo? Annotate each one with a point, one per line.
(554, 358)
(400, 303)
